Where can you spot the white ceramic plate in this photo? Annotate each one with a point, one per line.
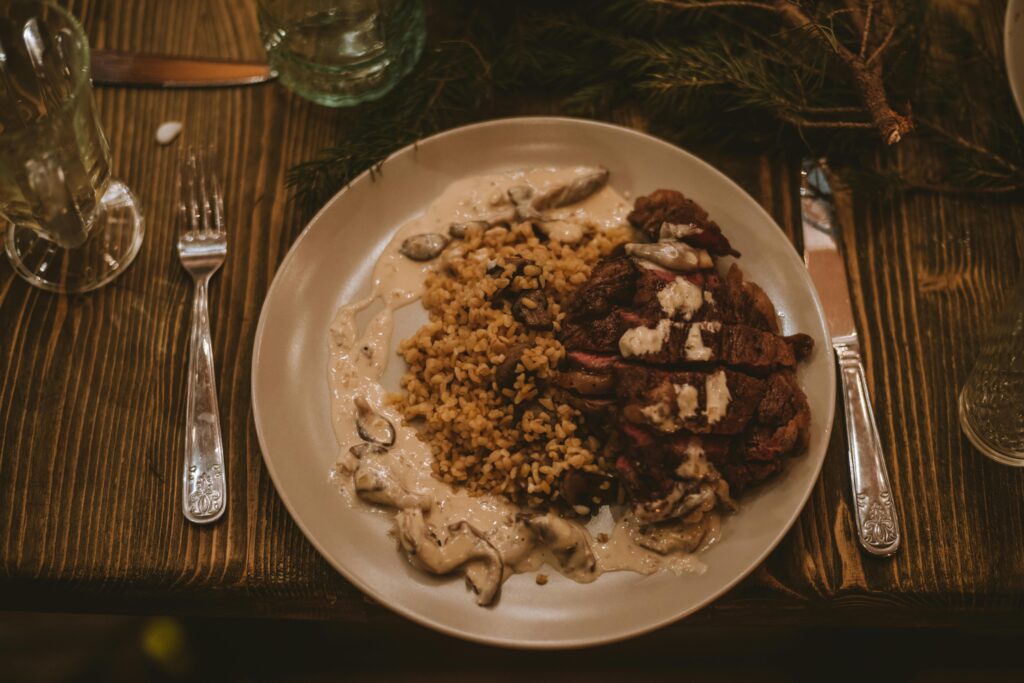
(330, 264)
(1013, 46)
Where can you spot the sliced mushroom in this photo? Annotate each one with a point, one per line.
(349, 460)
(576, 190)
(462, 547)
(424, 247)
(671, 255)
(677, 231)
(588, 405)
(666, 539)
(567, 541)
(372, 426)
(361, 450)
(520, 195)
(461, 230)
(566, 232)
(505, 373)
(531, 309)
(684, 499)
(376, 484)
(586, 383)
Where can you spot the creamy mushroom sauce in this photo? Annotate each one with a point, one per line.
(399, 479)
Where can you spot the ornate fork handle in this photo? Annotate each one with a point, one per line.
(205, 489)
(877, 523)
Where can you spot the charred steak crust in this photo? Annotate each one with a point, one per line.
(737, 346)
(657, 398)
(611, 284)
(670, 206)
(647, 394)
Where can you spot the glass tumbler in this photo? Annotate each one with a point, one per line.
(992, 400)
(72, 227)
(342, 52)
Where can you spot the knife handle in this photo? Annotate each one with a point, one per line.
(877, 522)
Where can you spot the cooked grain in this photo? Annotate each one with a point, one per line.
(516, 441)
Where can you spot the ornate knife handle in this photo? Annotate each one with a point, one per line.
(204, 489)
(877, 522)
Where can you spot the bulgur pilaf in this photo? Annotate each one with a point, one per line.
(515, 440)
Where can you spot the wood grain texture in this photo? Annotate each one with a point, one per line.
(92, 388)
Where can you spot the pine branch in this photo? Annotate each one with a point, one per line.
(795, 74)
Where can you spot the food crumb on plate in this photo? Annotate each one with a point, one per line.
(542, 579)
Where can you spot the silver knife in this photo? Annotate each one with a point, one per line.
(123, 68)
(877, 522)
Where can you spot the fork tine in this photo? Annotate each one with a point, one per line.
(179, 188)
(189, 200)
(218, 196)
(202, 162)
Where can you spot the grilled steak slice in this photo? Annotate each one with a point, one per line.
(783, 419)
(715, 402)
(737, 346)
(741, 295)
(586, 382)
(673, 208)
(671, 478)
(620, 283)
(778, 429)
(593, 362)
(599, 406)
(611, 284)
(684, 366)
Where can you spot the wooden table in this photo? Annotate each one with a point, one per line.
(92, 388)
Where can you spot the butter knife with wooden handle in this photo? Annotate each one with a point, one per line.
(878, 524)
(162, 71)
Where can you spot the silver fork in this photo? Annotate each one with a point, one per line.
(202, 246)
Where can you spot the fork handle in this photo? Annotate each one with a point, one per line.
(204, 492)
(878, 525)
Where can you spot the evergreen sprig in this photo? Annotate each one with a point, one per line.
(844, 78)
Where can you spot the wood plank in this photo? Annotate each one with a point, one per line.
(92, 387)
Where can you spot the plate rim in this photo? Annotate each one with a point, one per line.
(1011, 32)
(426, 620)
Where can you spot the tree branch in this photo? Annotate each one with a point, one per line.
(867, 77)
(866, 31)
(961, 141)
(882, 46)
(866, 71)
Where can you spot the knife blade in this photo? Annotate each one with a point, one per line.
(123, 68)
(878, 527)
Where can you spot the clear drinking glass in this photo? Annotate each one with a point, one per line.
(342, 52)
(72, 226)
(992, 400)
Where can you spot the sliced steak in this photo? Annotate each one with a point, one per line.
(737, 346)
(778, 429)
(586, 382)
(669, 478)
(593, 362)
(611, 284)
(696, 228)
(706, 402)
(590, 406)
(684, 367)
(748, 300)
